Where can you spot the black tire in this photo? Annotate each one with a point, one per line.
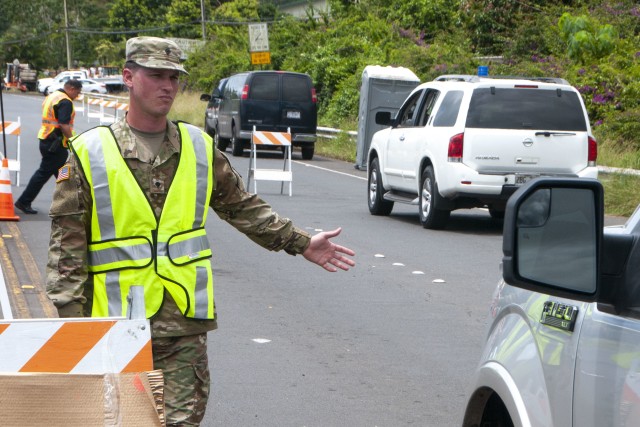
(431, 216)
(496, 213)
(377, 205)
(307, 152)
(221, 143)
(237, 147)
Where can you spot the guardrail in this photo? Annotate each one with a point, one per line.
(332, 133)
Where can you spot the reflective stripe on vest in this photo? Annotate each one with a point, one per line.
(129, 246)
(49, 121)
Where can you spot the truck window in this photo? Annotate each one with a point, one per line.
(513, 108)
(448, 112)
(295, 88)
(264, 87)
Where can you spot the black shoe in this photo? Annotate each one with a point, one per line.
(25, 208)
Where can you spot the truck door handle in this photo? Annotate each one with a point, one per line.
(401, 138)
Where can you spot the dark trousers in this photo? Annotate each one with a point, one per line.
(49, 166)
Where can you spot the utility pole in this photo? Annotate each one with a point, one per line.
(66, 35)
(204, 35)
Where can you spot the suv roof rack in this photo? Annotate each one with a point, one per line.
(557, 80)
(473, 78)
(457, 78)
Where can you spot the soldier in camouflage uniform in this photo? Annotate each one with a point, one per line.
(150, 146)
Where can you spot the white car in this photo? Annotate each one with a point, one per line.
(467, 141)
(88, 86)
(44, 83)
(563, 341)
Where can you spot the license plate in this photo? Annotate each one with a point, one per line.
(293, 114)
(523, 179)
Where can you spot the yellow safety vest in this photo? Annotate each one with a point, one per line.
(130, 246)
(49, 121)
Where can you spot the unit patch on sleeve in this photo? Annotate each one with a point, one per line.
(63, 173)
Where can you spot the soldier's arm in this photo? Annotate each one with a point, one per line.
(67, 260)
(250, 214)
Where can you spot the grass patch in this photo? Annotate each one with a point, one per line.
(342, 147)
(188, 108)
(621, 195)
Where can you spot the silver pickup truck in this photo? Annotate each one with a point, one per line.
(563, 342)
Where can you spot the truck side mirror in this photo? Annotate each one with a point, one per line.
(552, 237)
(383, 118)
(205, 97)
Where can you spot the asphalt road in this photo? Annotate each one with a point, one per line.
(392, 342)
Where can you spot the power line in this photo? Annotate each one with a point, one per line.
(130, 31)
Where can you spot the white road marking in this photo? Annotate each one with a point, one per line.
(329, 170)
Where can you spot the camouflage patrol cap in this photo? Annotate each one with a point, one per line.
(155, 52)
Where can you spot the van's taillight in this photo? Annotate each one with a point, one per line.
(314, 97)
(593, 151)
(456, 147)
(245, 92)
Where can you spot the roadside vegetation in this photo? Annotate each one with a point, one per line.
(592, 44)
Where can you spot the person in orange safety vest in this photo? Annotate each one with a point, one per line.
(57, 127)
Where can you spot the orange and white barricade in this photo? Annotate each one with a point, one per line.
(97, 109)
(263, 138)
(78, 345)
(14, 129)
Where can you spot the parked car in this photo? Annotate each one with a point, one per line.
(276, 101)
(467, 141)
(563, 342)
(44, 83)
(88, 86)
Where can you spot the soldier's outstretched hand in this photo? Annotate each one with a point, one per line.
(328, 255)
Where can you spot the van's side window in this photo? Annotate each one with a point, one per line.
(264, 87)
(295, 89)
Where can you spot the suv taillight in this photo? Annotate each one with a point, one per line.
(456, 147)
(593, 151)
(314, 97)
(245, 92)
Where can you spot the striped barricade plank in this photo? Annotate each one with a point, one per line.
(77, 346)
(10, 128)
(271, 138)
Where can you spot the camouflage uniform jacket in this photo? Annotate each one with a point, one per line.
(68, 281)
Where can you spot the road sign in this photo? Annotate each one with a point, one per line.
(258, 37)
(258, 58)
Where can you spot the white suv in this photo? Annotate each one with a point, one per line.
(466, 141)
(563, 341)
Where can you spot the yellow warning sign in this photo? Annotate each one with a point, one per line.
(258, 58)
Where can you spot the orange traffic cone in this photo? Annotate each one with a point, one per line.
(6, 199)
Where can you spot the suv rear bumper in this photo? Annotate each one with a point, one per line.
(497, 185)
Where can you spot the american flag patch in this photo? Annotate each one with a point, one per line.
(63, 173)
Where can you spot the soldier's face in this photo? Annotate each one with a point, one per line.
(152, 90)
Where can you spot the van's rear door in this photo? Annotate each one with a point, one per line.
(261, 107)
(530, 128)
(298, 109)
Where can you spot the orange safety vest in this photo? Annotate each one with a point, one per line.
(49, 121)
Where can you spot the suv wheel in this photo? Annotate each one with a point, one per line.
(377, 205)
(430, 215)
(307, 152)
(236, 144)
